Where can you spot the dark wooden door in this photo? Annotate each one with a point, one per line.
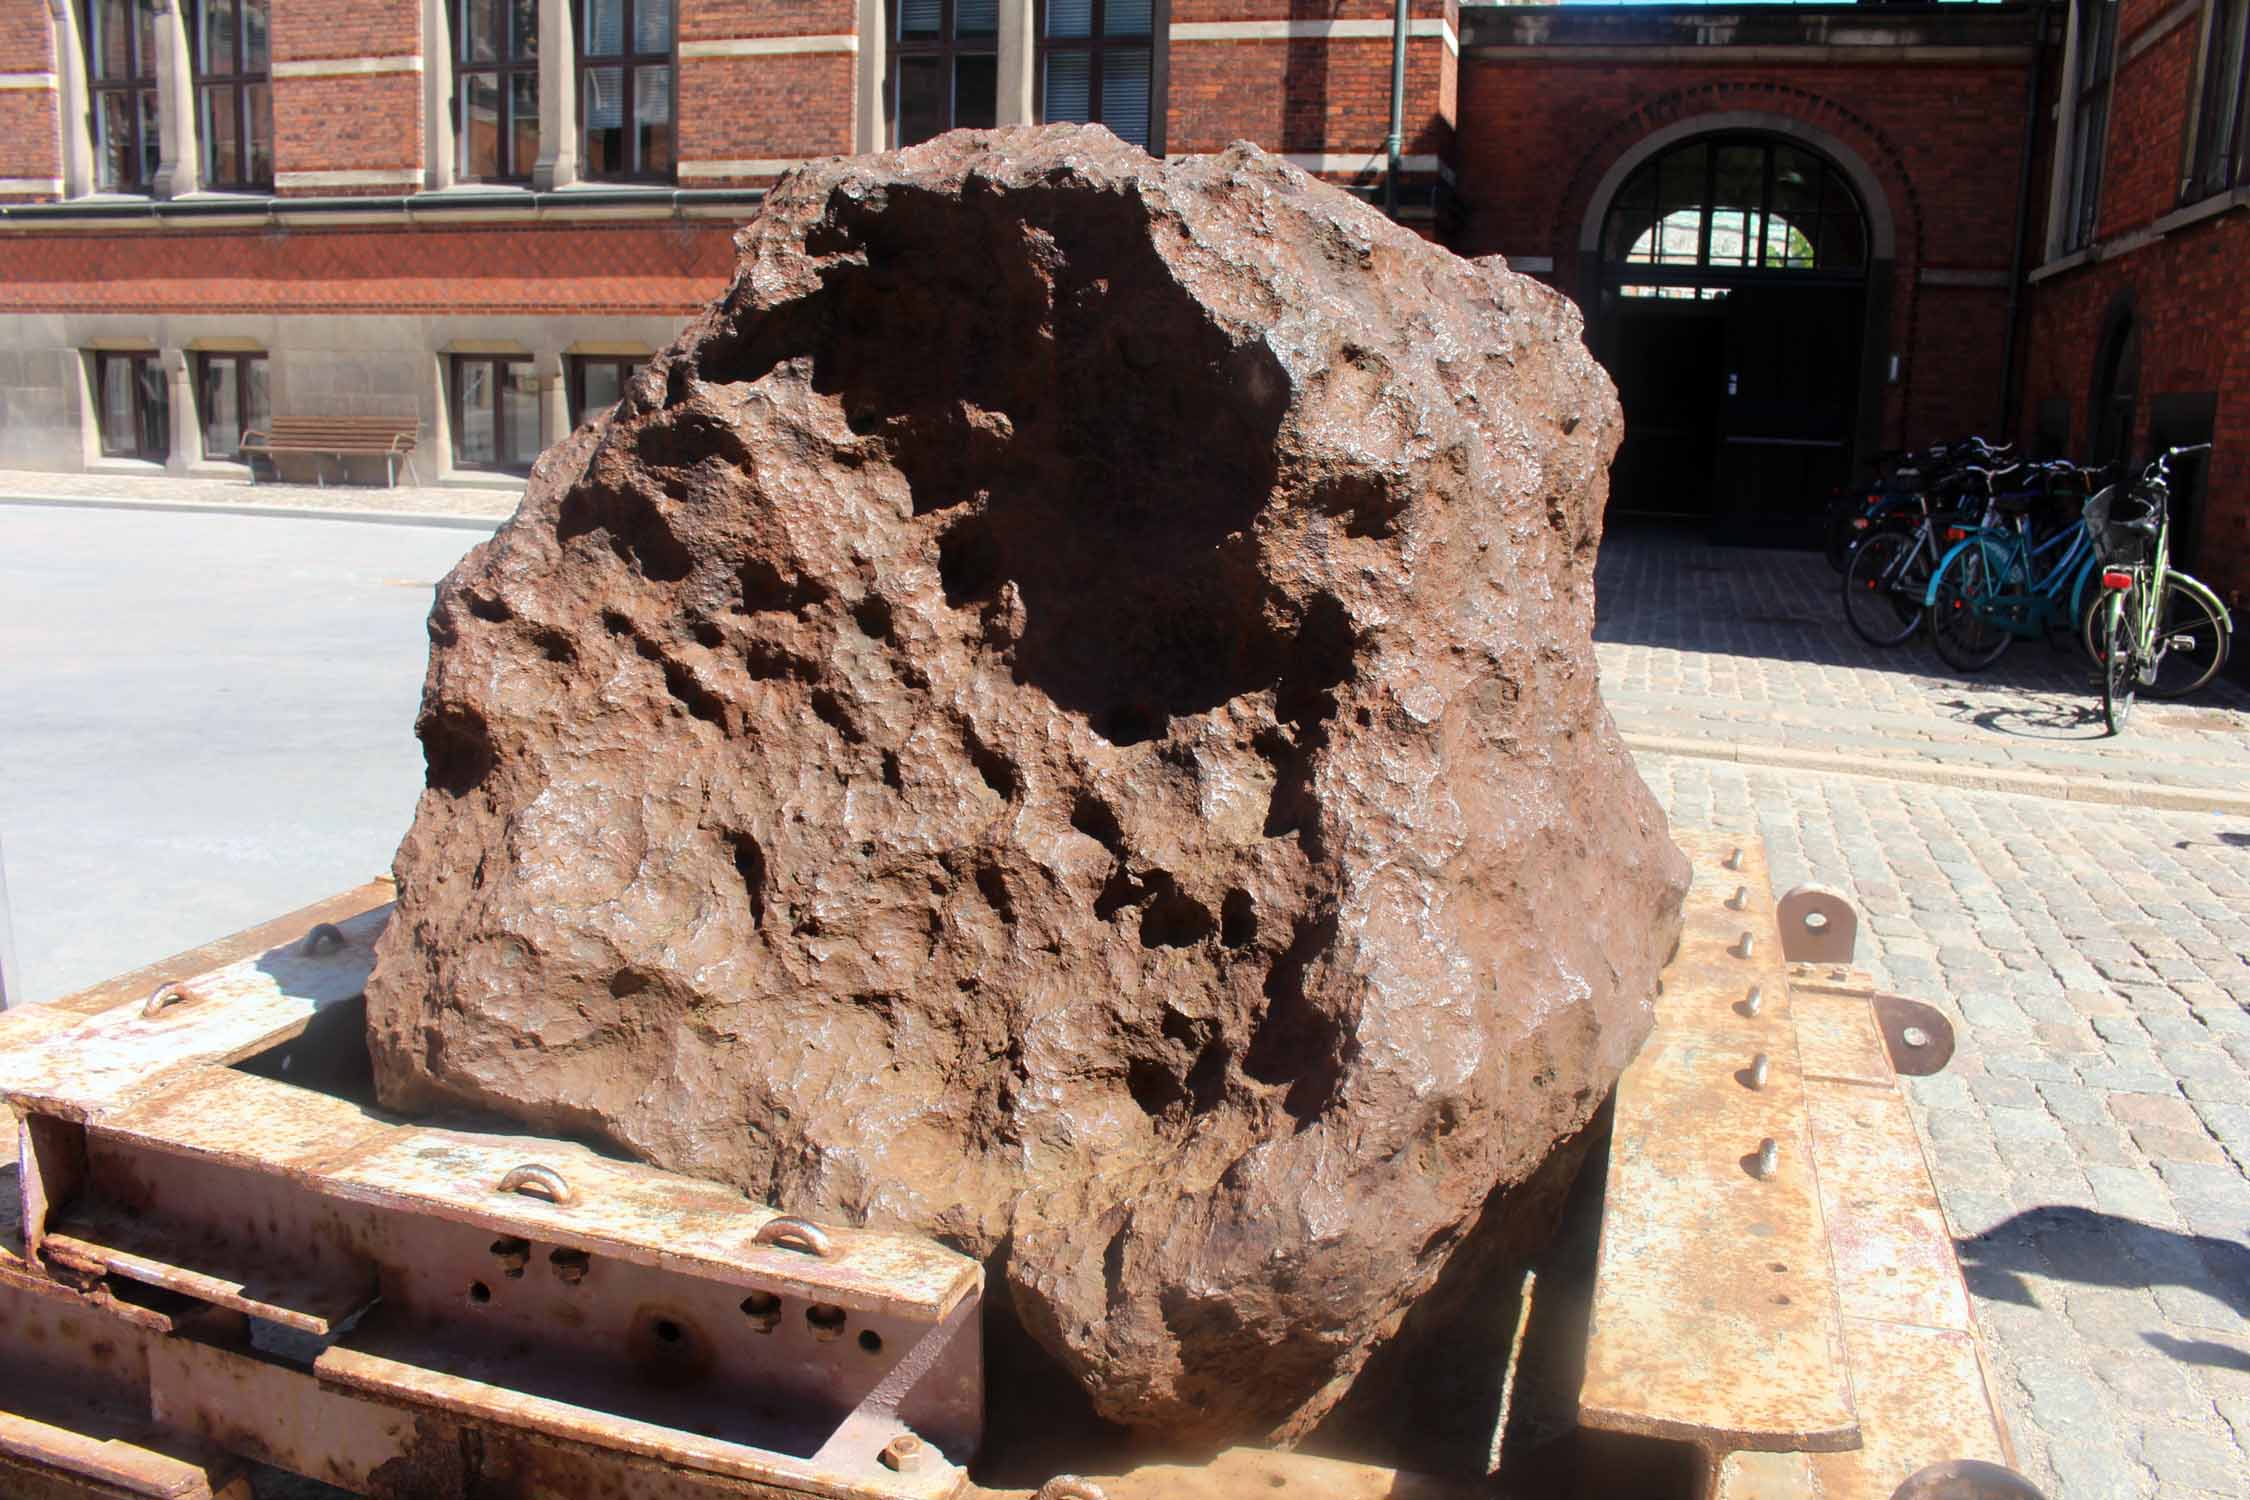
(1788, 385)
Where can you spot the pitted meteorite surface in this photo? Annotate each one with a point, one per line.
(1060, 715)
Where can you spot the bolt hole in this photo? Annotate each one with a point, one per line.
(666, 1331)
(570, 1266)
(1815, 921)
(827, 1321)
(513, 1255)
(763, 1309)
(479, 1293)
(871, 1341)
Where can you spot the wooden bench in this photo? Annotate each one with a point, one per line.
(388, 438)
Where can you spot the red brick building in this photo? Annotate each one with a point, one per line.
(1800, 234)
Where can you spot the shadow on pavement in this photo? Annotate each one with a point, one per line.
(2092, 1248)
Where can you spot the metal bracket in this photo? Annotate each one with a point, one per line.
(1918, 1037)
(1818, 926)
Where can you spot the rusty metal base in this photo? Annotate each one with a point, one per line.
(215, 1252)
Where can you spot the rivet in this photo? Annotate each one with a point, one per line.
(1734, 860)
(1755, 1001)
(1739, 899)
(1746, 947)
(1769, 1158)
(1758, 1066)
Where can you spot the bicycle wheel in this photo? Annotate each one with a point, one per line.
(1881, 601)
(2191, 641)
(1968, 638)
(2120, 667)
(2092, 620)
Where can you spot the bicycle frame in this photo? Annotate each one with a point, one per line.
(2006, 550)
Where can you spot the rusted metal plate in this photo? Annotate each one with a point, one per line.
(1765, 1476)
(244, 1120)
(644, 1215)
(266, 1282)
(133, 987)
(1922, 1395)
(1894, 1254)
(1818, 925)
(1837, 1039)
(1243, 1473)
(1918, 1037)
(1715, 1318)
(84, 1072)
(483, 1385)
(120, 1464)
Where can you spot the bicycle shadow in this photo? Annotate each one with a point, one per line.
(2044, 718)
(2088, 1247)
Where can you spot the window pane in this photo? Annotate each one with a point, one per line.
(254, 45)
(480, 125)
(524, 123)
(1843, 245)
(605, 122)
(976, 92)
(921, 99)
(604, 33)
(215, 36)
(156, 407)
(116, 376)
(480, 31)
(521, 395)
(922, 18)
(1680, 182)
(1125, 93)
(1796, 183)
(524, 37)
(976, 18)
(652, 26)
(652, 115)
(1127, 18)
(151, 142)
(473, 439)
(111, 23)
(113, 141)
(221, 130)
(217, 400)
(258, 409)
(1070, 17)
(258, 104)
(600, 385)
(1069, 85)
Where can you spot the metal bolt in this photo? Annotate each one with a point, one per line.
(1914, 1036)
(1734, 860)
(1755, 1001)
(1069, 1487)
(1746, 947)
(905, 1454)
(1739, 899)
(1758, 1066)
(1769, 1158)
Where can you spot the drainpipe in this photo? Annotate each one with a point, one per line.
(2010, 395)
(1394, 144)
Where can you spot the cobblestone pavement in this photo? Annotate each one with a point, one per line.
(2092, 1137)
(1740, 648)
(171, 490)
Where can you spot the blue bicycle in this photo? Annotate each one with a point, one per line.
(2007, 580)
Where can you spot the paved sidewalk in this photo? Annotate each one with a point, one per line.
(171, 492)
(1735, 654)
(2092, 1137)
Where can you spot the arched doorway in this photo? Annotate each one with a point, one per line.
(2115, 401)
(1733, 300)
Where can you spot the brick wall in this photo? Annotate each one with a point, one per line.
(720, 20)
(1944, 142)
(585, 268)
(1303, 95)
(28, 141)
(2186, 290)
(765, 108)
(357, 122)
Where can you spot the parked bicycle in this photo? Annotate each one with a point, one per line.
(2027, 570)
(2154, 629)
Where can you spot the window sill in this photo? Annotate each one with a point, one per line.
(142, 467)
(2125, 244)
(218, 468)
